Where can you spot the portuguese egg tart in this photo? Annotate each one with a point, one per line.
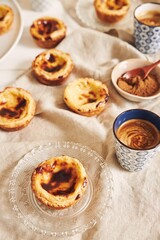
(6, 18)
(86, 96)
(59, 182)
(52, 67)
(48, 31)
(111, 11)
(17, 108)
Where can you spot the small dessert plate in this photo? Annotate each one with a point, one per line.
(127, 65)
(65, 222)
(86, 13)
(9, 39)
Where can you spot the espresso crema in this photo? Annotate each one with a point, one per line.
(138, 134)
(150, 18)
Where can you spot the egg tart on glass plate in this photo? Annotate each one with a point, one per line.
(86, 96)
(17, 108)
(52, 67)
(6, 18)
(48, 31)
(59, 182)
(60, 189)
(111, 11)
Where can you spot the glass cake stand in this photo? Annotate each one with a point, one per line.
(86, 13)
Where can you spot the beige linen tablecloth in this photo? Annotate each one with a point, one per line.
(135, 210)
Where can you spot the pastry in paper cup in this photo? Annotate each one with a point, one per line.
(111, 11)
(59, 182)
(52, 67)
(17, 108)
(48, 31)
(86, 96)
(6, 18)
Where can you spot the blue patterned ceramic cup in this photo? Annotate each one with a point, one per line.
(129, 156)
(147, 28)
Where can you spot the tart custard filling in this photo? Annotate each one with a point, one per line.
(17, 108)
(52, 67)
(52, 63)
(3, 13)
(6, 18)
(59, 178)
(115, 4)
(111, 11)
(12, 106)
(59, 182)
(44, 28)
(86, 95)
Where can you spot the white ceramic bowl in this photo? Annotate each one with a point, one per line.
(130, 64)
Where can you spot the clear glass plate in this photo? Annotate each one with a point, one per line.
(76, 219)
(86, 13)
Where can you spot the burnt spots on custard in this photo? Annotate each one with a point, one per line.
(39, 170)
(7, 113)
(63, 164)
(89, 97)
(47, 26)
(102, 92)
(85, 182)
(103, 102)
(61, 182)
(2, 18)
(21, 103)
(92, 98)
(92, 94)
(115, 4)
(3, 14)
(14, 112)
(100, 103)
(51, 58)
(3, 102)
(46, 168)
(51, 68)
(78, 196)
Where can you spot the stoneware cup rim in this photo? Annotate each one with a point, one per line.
(133, 110)
(143, 4)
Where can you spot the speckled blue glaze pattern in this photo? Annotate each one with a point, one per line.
(133, 160)
(147, 38)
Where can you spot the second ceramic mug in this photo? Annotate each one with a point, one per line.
(147, 33)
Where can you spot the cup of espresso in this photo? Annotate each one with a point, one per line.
(147, 28)
(137, 138)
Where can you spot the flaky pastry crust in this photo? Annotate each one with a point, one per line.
(86, 96)
(6, 18)
(52, 67)
(17, 108)
(59, 182)
(111, 11)
(48, 31)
